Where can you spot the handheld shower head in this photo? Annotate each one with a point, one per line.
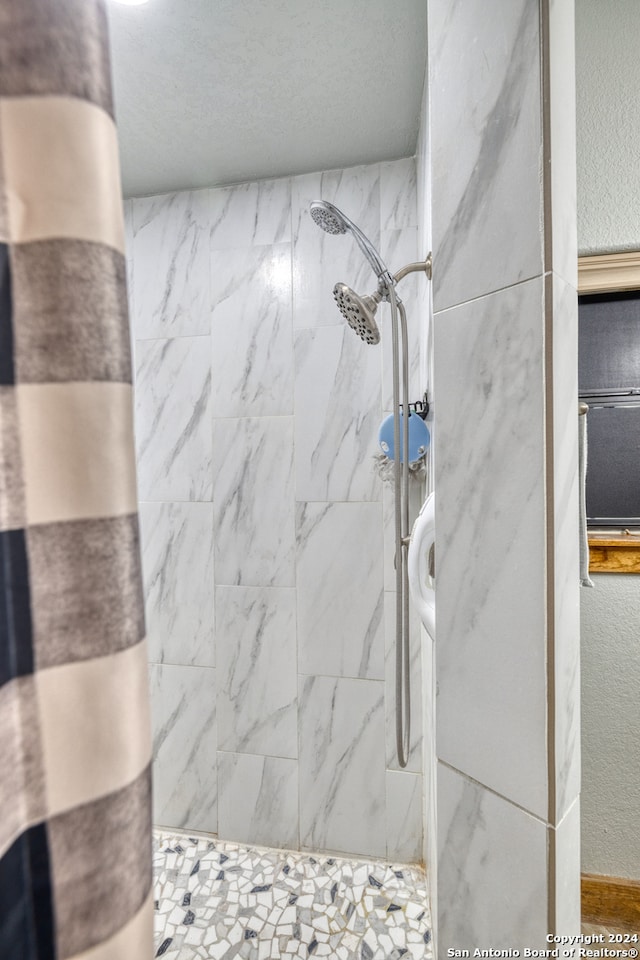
(328, 217)
(334, 221)
(358, 312)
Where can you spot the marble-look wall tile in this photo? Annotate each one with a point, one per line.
(183, 707)
(251, 331)
(321, 260)
(258, 800)
(562, 146)
(398, 248)
(257, 679)
(173, 419)
(492, 868)
(429, 767)
(254, 527)
(398, 194)
(171, 265)
(128, 250)
(416, 499)
(415, 744)
(215, 422)
(177, 561)
(250, 213)
(564, 302)
(404, 816)
(337, 404)
(486, 136)
(341, 766)
(340, 589)
(567, 862)
(491, 549)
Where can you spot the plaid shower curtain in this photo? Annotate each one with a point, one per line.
(75, 866)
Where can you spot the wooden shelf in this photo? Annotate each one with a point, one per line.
(610, 553)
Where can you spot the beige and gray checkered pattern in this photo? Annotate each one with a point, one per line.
(75, 746)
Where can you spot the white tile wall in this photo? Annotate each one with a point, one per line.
(257, 678)
(173, 418)
(491, 548)
(258, 799)
(253, 501)
(489, 846)
(486, 146)
(338, 413)
(185, 789)
(340, 602)
(171, 255)
(342, 768)
(404, 816)
(503, 220)
(262, 518)
(177, 538)
(252, 349)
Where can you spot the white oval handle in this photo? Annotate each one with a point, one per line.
(422, 540)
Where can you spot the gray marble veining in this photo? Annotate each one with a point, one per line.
(320, 260)
(250, 213)
(341, 766)
(337, 403)
(242, 358)
(183, 706)
(170, 250)
(566, 549)
(173, 418)
(253, 500)
(404, 816)
(257, 682)
(486, 136)
(562, 148)
(491, 870)
(398, 194)
(398, 248)
(340, 602)
(177, 562)
(415, 747)
(258, 799)
(251, 334)
(491, 708)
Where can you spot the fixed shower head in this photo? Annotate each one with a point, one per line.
(358, 312)
(328, 217)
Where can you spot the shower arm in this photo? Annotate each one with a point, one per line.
(419, 266)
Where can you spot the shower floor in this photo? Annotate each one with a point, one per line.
(217, 900)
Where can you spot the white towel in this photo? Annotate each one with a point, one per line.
(585, 579)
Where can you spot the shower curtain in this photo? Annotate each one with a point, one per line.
(75, 865)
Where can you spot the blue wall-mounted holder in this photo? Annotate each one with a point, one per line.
(419, 437)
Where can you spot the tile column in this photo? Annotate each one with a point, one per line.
(507, 653)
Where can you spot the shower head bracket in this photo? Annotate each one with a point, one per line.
(425, 266)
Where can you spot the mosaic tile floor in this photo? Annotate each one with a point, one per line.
(219, 900)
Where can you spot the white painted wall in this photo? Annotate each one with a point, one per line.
(608, 125)
(608, 136)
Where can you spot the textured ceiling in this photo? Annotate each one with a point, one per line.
(210, 92)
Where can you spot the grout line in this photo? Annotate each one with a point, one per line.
(495, 793)
(490, 293)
